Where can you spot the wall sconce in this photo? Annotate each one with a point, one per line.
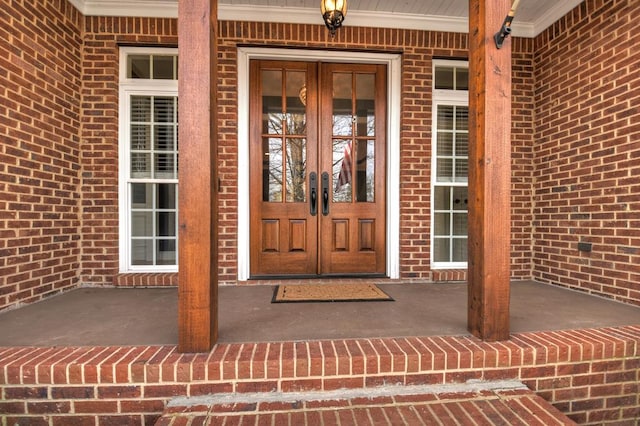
(333, 13)
(505, 30)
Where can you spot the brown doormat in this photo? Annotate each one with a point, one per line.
(329, 293)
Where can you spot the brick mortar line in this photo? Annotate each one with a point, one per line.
(470, 386)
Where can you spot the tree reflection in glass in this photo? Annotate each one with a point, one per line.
(285, 148)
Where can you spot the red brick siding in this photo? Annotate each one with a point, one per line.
(145, 279)
(418, 50)
(99, 143)
(587, 150)
(522, 167)
(40, 149)
(603, 173)
(102, 36)
(590, 375)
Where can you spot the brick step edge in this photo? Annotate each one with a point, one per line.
(496, 402)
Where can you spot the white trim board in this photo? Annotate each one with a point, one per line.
(365, 18)
(393, 62)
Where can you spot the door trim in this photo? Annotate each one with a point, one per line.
(393, 62)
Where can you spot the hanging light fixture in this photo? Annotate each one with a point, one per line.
(333, 12)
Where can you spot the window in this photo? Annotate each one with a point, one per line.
(148, 160)
(450, 165)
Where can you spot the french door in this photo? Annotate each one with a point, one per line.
(317, 168)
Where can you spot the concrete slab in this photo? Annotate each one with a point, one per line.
(125, 316)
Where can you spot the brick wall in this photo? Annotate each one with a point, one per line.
(522, 167)
(587, 150)
(577, 182)
(590, 375)
(102, 36)
(90, 167)
(40, 149)
(418, 50)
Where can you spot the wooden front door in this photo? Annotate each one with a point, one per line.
(317, 169)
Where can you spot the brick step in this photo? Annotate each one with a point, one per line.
(591, 375)
(473, 403)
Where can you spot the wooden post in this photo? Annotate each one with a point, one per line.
(489, 172)
(197, 187)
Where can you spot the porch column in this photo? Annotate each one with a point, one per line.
(489, 172)
(198, 198)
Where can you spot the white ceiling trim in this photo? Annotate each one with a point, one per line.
(146, 8)
(355, 18)
(227, 12)
(554, 13)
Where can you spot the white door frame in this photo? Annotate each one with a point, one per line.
(393, 62)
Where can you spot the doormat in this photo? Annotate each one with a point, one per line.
(329, 293)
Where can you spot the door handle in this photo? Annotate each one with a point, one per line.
(313, 193)
(325, 193)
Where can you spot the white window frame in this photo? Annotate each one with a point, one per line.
(444, 98)
(127, 88)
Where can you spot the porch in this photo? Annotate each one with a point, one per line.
(112, 358)
(127, 316)
(108, 356)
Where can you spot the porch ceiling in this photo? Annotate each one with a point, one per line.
(533, 16)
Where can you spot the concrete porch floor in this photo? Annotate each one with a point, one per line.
(123, 316)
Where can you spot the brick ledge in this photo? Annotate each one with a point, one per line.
(143, 279)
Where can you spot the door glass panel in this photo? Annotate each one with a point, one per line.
(365, 105)
(272, 108)
(295, 87)
(296, 169)
(365, 171)
(272, 170)
(342, 171)
(342, 102)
